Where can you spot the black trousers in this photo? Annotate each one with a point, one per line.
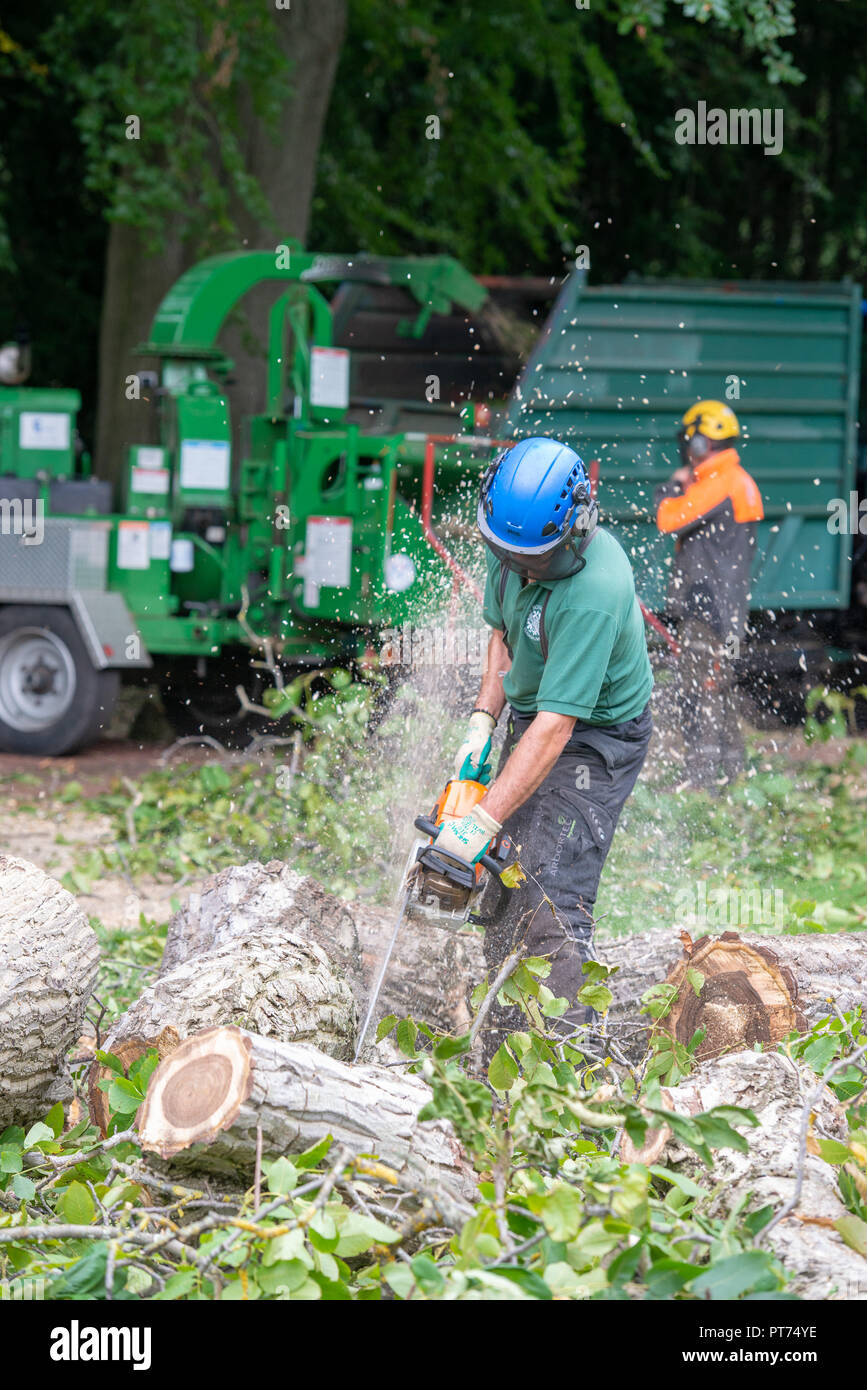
(561, 836)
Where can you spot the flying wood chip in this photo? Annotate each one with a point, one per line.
(747, 996)
(196, 1092)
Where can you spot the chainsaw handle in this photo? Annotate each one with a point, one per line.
(429, 827)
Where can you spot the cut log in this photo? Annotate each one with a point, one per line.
(253, 897)
(431, 974)
(822, 1266)
(755, 988)
(48, 962)
(207, 1101)
(271, 982)
(432, 971)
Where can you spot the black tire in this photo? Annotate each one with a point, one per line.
(43, 647)
(208, 705)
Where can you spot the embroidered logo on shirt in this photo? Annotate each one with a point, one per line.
(534, 622)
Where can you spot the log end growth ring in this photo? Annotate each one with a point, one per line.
(196, 1092)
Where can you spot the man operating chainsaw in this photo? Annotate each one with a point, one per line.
(568, 653)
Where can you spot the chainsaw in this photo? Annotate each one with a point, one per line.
(440, 888)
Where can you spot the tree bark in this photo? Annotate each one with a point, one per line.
(775, 1089)
(284, 163)
(817, 969)
(258, 897)
(209, 1099)
(431, 973)
(48, 962)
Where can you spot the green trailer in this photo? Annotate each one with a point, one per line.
(614, 369)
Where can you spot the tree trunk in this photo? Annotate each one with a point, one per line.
(210, 1098)
(775, 1089)
(257, 897)
(284, 163)
(431, 973)
(745, 997)
(48, 962)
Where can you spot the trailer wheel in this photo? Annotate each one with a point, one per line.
(52, 699)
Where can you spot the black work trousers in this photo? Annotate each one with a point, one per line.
(561, 836)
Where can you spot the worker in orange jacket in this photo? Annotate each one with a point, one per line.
(712, 507)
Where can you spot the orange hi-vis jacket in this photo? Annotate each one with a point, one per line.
(714, 520)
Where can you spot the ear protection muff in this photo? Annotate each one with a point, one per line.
(587, 511)
(698, 448)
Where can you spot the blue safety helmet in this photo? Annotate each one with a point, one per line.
(535, 508)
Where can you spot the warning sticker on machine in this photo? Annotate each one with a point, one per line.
(329, 377)
(328, 555)
(150, 480)
(205, 465)
(133, 545)
(43, 429)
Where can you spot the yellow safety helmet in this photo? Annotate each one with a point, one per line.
(704, 427)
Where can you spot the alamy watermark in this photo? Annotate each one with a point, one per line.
(847, 516)
(453, 645)
(758, 906)
(23, 517)
(738, 126)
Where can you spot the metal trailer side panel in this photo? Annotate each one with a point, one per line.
(616, 367)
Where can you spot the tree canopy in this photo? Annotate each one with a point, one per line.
(554, 128)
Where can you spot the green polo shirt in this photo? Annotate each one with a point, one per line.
(597, 667)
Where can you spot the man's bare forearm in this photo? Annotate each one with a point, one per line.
(529, 763)
(491, 697)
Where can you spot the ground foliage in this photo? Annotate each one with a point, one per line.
(556, 1213)
(792, 826)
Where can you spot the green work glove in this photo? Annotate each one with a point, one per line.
(470, 837)
(471, 757)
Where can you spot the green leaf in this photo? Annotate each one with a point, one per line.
(177, 1285)
(123, 1096)
(313, 1156)
(214, 778)
(834, 1152)
(108, 1059)
(23, 1187)
(526, 1280)
(719, 1134)
(667, 1276)
(55, 1119)
(281, 1175)
(735, 1275)
(38, 1134)
(538, 966)
(323, 1233)
(406, 1034)
(821, 1052)
(679, 1180)
(427, 1276)
(452, 1047)
(503, 1069)
(854, 1232)
(11, 1160)
(385, 1026)
(695, 978)
(358, 1233)
(400, 1278)
(598, 997)
(561, 1212)
(285, 1274)
(77, 1204)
